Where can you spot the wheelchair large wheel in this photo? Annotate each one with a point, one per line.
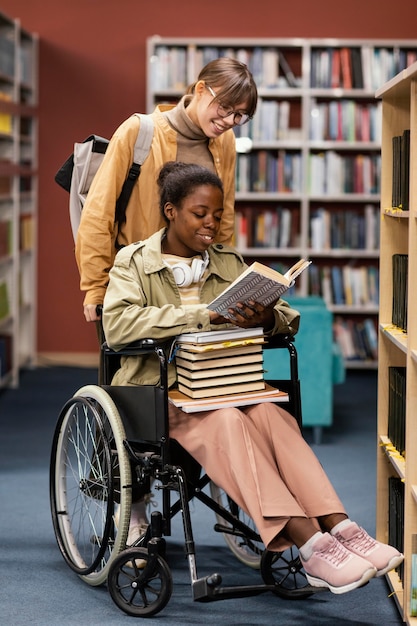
(140, 584)
(89, 477)
(284, 571)
(247, 550)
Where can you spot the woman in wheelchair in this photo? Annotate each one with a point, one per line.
(257, 454)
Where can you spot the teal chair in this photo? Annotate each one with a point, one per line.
(320, 364)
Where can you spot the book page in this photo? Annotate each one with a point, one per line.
(296, 269)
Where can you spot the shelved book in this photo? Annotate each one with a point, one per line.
(413, 592)
(4, 301)
(259, 283)
(357, 340)
(356, 229)
(269, 66)
(264, 170)
(401, 171)
(6, 119)
(269, 228)
(346, 285)
(396, 517)
(399, 290)
(5, 238)
(396, 406)
(5, 354)
(333, 174)
(365, 67)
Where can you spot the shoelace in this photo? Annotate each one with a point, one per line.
(335, 553)
(148, 498)
(360, 541)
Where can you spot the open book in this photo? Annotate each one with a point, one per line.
(259, 283)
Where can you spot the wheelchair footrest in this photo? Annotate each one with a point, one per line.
(208, 589)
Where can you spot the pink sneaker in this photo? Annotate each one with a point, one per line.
(356, 540)
(334, 567)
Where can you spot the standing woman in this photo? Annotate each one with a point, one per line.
(196, 130)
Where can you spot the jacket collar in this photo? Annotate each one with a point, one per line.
(152, 256)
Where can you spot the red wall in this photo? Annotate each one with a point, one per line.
(92, 76)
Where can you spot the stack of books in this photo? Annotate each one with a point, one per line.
(221, 368)
(220, 362)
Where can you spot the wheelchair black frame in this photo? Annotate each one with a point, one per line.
(172, 477)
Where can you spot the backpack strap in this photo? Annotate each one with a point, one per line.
(144, 139)
(140, 152)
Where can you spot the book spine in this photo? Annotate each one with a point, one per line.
(413, 590)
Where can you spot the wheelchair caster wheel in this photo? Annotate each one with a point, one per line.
(140, 584)
(284, 571)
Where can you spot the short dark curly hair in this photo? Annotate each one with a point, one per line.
(178, 180)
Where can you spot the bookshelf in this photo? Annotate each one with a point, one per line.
(309, 184)
(18, 198)
(397, 427)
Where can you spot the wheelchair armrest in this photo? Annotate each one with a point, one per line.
(280, 341)
(142, 346)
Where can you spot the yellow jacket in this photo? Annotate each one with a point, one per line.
(95, 245)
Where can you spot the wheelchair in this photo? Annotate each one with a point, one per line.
(112, 441)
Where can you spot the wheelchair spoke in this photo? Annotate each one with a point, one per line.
(245, 549)
(284, 571)
(85, 467)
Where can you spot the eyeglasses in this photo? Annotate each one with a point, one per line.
(238, 118)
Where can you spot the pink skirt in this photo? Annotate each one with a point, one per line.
(258, 456)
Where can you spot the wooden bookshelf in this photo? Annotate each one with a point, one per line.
(397, 348)
(18, 198)
(308, 186)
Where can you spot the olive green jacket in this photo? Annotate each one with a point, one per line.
(143, 301)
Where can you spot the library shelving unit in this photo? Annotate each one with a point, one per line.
(308, 181)
(18, 198)
(397, 424)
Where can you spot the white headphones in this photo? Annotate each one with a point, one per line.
(184, 275)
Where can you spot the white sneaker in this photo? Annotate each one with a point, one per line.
(136, 532)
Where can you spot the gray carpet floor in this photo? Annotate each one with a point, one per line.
(38, 588)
